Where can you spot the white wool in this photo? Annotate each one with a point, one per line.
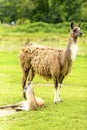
(73, 49)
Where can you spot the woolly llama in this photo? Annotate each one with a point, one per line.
(49, 62)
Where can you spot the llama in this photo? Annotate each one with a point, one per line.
(32, 102)
(49, 62)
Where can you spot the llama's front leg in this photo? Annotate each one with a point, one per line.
(55, 88)
(57, 94)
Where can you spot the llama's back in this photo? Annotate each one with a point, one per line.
(41, 58)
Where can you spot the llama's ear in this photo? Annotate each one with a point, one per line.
(79, 24)
(72, 25)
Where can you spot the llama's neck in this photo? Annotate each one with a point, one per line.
(71, 49)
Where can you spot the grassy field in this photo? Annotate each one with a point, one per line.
(71, 114)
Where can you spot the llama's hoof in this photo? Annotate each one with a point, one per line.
(55, 102)
(60, 101)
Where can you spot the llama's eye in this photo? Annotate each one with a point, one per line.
(74, 30)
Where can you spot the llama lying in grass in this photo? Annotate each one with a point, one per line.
(49, 62)
(32, 103)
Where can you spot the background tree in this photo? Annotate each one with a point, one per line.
(51, 11)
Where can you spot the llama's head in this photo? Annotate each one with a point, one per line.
(75, 31)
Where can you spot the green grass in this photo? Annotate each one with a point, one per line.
(71, 114)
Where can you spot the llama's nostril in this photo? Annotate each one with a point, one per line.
(80, 34)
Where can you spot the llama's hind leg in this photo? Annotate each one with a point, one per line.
(27, 76)
(24, 79)
(30, 76)
(58, 92)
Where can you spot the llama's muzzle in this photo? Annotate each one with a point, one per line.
(80, 34)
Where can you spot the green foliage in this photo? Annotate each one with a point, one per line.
(39, 27)
(51, 11)
(14, 37)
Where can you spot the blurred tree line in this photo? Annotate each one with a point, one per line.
(51, 11)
